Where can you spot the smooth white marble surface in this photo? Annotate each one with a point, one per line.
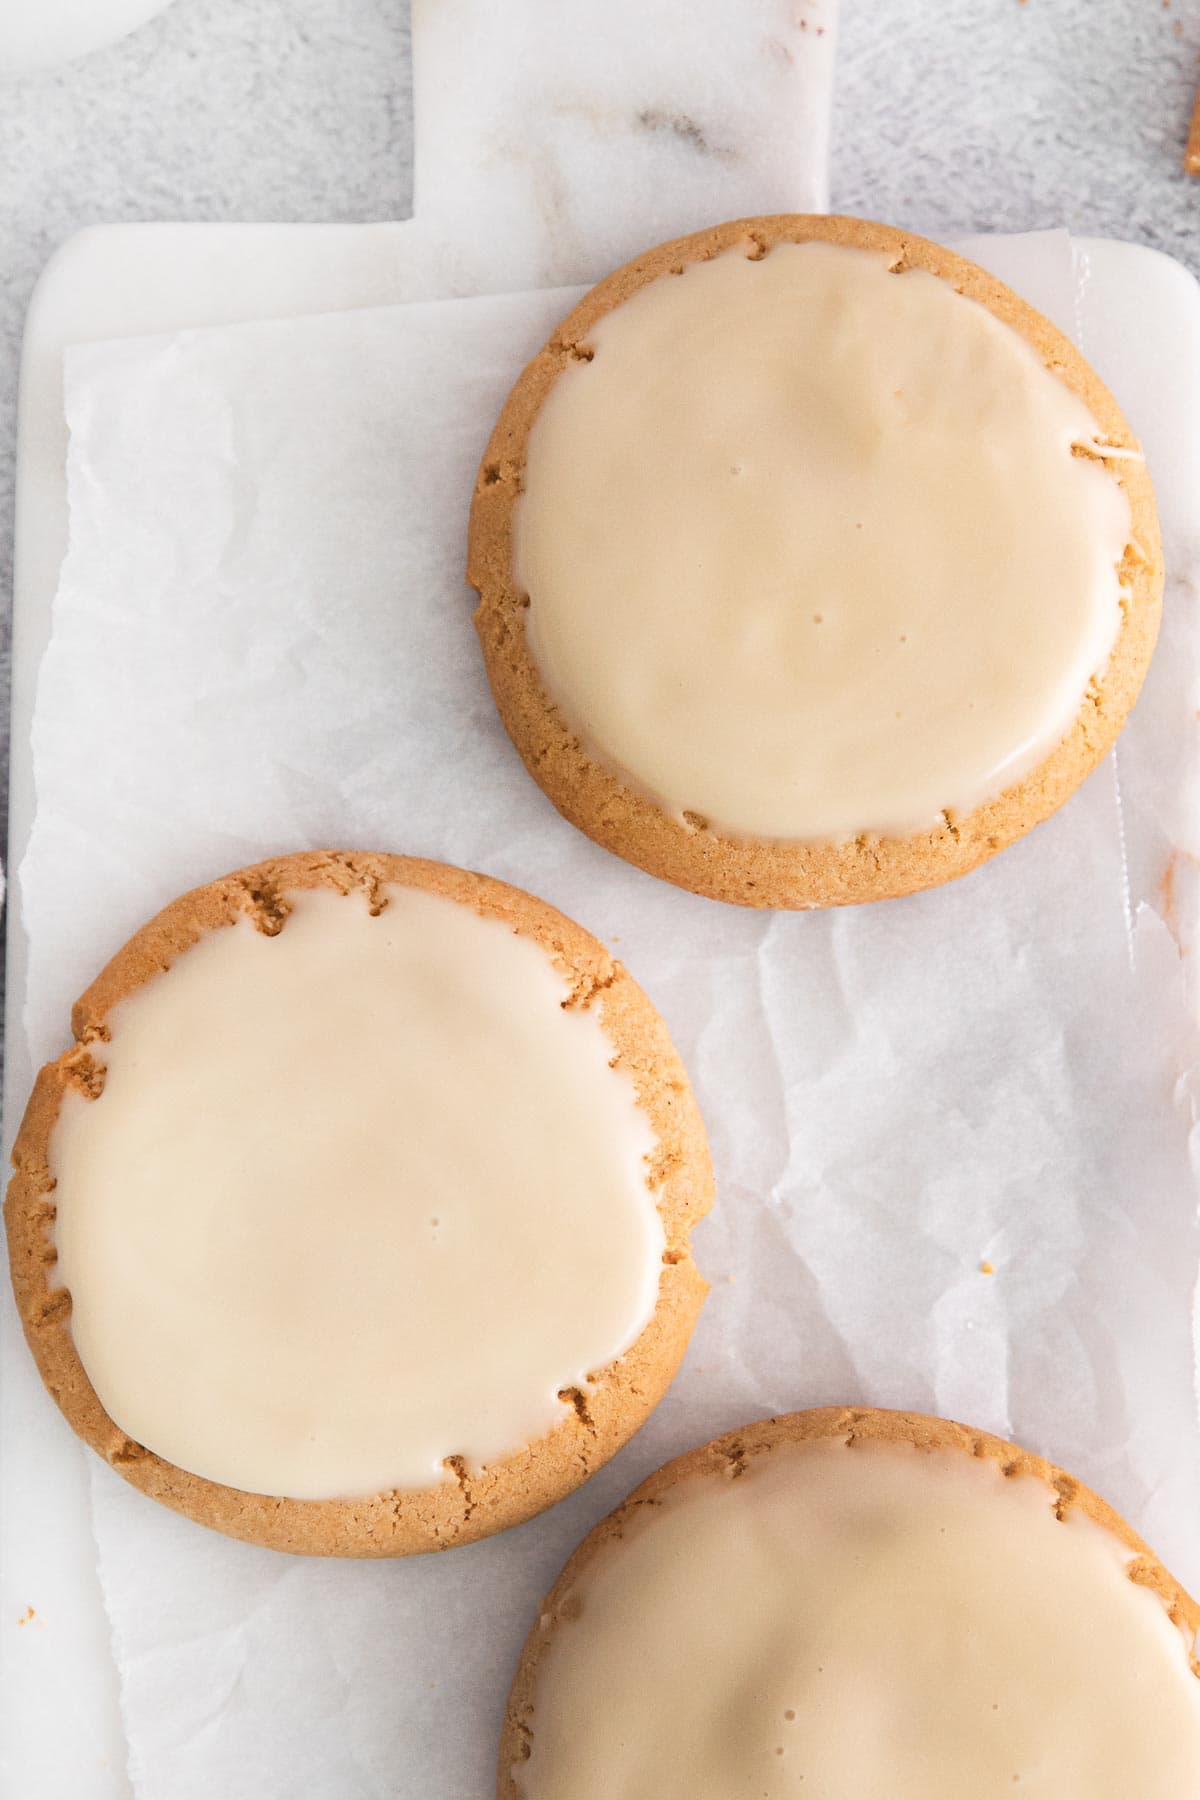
(554, 141)
(54, 31)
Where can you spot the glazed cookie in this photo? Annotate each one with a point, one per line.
(355, 1221)
(851, 1602)
(813, 565)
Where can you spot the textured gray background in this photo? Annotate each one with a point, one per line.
(950, 114)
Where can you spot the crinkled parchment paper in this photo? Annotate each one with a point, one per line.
(261, 642)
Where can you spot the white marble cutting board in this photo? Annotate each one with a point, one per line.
(58, 1669)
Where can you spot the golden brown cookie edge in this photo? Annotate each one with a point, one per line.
(776, 873)
(595, 1424)
(735, 1450)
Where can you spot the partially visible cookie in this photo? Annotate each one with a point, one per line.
(851, 1602)
(355, 1220)
(814, 566)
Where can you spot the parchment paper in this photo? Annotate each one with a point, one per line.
(261, 642)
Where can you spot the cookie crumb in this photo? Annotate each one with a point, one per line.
(1191, 156)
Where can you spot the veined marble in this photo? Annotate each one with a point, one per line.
(557, 138)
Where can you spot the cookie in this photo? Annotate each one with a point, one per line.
(814, 566)
(849, 1602)
(355, 1220)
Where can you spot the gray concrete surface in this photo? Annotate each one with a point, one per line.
(998, 115)
(949, 114)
